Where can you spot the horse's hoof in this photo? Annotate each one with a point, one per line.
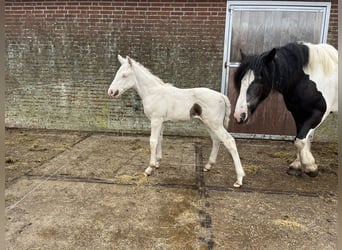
(294, 171)
(312, 173)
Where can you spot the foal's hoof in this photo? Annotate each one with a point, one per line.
(294, 171)
(237, 184)
(148, 171)
(312, 173)
(207, 167)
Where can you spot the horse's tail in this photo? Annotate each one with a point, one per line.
(227, 111)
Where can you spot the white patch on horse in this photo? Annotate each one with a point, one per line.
(241, 104)
(323, 70)
(164, 102)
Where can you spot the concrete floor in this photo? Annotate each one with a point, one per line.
(73, 190)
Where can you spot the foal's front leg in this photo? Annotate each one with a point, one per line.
(159, 148)
(156, 126)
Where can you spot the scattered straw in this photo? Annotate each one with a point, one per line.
(290, 223)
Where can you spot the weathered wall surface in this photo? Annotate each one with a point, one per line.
(62, 56)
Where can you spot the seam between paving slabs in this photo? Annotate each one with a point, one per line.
(86, 136)
(185, 186)
(204, 215)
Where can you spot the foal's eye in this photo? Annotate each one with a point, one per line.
(124, 75)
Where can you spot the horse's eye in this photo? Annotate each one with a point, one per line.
(258, 78)
(124, 75)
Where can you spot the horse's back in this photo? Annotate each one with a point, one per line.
(322, 68)
(322, 56)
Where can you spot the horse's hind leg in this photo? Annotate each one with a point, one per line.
(229, 143)
(214, 150)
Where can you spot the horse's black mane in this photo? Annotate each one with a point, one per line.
(281, 72)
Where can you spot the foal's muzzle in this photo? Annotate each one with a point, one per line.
(112, 93)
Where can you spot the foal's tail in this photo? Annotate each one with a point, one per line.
(227, 111)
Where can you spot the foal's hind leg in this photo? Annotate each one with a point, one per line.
(229, 143)
(214, 150)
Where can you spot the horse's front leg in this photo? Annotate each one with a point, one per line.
(307, 160)
(304, 162)
(295, 167)
(156, 126)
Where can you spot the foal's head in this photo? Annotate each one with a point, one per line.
(124, 78)
(253, 80)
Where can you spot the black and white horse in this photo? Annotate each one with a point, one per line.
(307, 77)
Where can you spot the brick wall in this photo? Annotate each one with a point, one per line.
(333, 24)
(61, 58)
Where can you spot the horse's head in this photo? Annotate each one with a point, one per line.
(253, 80)
(124, 78)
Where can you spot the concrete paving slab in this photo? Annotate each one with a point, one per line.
(117, 158)
(68, 215)
(92, 195)
(28, 149)
(266, 162)
(267, 221)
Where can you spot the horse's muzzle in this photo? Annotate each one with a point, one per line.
(243, 118)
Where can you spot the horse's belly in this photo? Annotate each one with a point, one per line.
(169, 108)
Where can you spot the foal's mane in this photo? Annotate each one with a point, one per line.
(147, 73)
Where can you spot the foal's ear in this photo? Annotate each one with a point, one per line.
(129, 60)
(243, 55)
(269, 56)
(121, 59)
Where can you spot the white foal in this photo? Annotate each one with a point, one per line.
(164, 102)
